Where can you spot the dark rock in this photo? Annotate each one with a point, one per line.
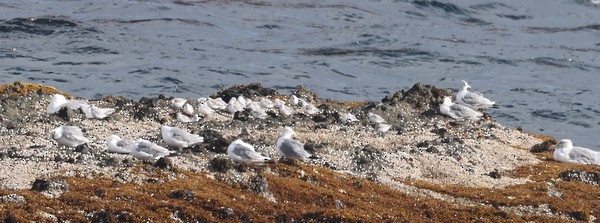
(313, 148)
(243, 115)
(543, 147)
(100, 193)
(214, 141)
(66, 114)
(113, 216)
(494, 174)
(64, 158)
(453, 139)
(52, 187)
(302, 92)
(579, 215)
(221, 164)
(108, 161)
(282, 218)
(583, 176)
(432, 149)
(225, 213)
(260, 185)
(165, 164)
(420, 96)
(440, 131)
(367, 160)
(10, 218)
(182, 194)
(13, 198)
(319, 118)
(83, 149)
(424, 144)
(119, 101)
(339, 204)
(146, 108)
(154, 180)
(249, 91)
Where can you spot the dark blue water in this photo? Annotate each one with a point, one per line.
(538, 59)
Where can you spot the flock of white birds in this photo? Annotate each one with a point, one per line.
(238, 150)
(470, 102)
(71, 136)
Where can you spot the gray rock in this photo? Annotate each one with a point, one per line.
(50, 187)
(583, 176)
(13, 198)
(261, 187)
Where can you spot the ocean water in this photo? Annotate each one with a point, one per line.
(538, 59)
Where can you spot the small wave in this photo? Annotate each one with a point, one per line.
(591, 27)
(514, 17)
(170, 80)
(474, 21)
(43, 26)
(342, 73)
(89, 50)
(345, 91)
(579, 123)
(492, 5)
(549, 114)
(446, 7)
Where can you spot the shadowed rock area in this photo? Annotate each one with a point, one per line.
(426, 167)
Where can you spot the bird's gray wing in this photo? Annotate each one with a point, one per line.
(473, 98)
(463, 111)
(179, 135)
(73, 133)
(293, 149)
(124, 143)
(245, 152)
(583, 155)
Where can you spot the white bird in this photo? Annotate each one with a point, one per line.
(178, 102)
(188, 109)
(565, 152)
(382, 127)
(472, 100)
(308, 108)
(242, 100)
(115, 144)
(146, 150)
(278, 103)
(216, 104)
(240, 151)
(91, 111)
(234, 105)
(70, 136)
(56, 103)
(290, 148)
(179, 138)
(59, 101)
(201, 99)
(204, 109)
(285, 110)
(265, 103)
(458, 111)
(186, 119)
(257, 111)
(375, 118)
(348, 118)
(293, 100)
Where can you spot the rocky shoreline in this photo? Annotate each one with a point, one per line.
(426, 167)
